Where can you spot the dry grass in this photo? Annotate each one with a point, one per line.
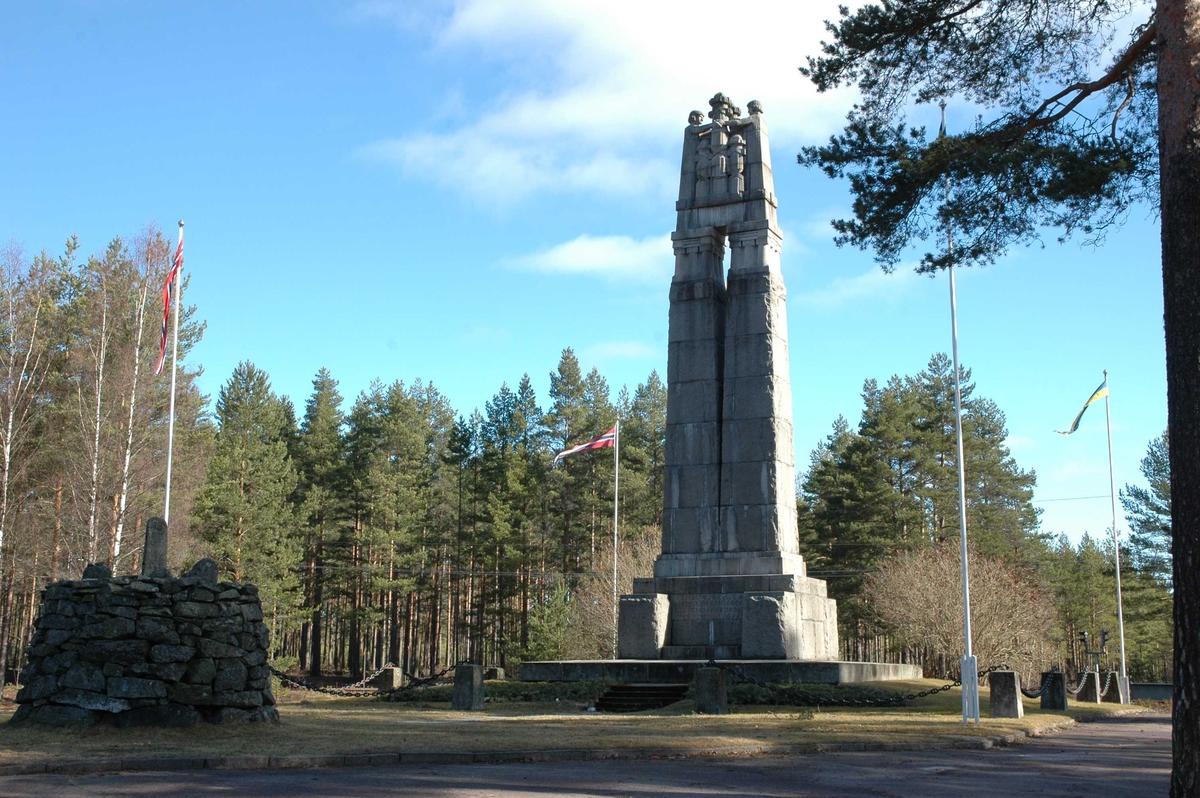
(319, 725)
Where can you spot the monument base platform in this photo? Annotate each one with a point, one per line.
(674, 671)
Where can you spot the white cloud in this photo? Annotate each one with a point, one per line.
(648, 260)
(873, 284)
(607, 351)
(596, 93)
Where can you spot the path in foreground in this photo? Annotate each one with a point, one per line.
(1115, 758)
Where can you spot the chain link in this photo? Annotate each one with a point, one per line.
(1038, 693)
(1112, 675)
(354, 689)
(1077, 689)
(899, 700)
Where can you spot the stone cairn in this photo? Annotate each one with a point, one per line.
(150, 650)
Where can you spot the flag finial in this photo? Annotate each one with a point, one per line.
(181, 222)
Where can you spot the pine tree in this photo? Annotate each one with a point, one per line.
(1149, 513)
(893, 484)
(321, 494)
(243, 513)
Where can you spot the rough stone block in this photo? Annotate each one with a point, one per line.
(84, 676)
(246, 699)
(1006, 694)
(115, 652)
(86, 699)
(97, 571)
(157, 629)
(218, 650)
(711, 696)
(132, 687)
(154, 553)
(160, 716)
(468, 688)
(231, 717)
(205, 571)
(770, 628)
(231, 675)
(197, 610)
(642, 626)
(60, 715)
(38, 688)
(169, 653)
(191, 694)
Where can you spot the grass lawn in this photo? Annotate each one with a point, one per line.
(314, 724)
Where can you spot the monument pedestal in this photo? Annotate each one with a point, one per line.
(751, 616)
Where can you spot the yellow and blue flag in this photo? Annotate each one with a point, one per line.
(1096, 396)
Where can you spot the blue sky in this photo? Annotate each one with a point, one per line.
(459, 191)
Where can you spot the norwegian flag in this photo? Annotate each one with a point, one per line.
(168, 289)
(608, 439)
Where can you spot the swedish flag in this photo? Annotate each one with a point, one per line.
(1096, 396)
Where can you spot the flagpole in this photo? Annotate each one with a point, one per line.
(174, 370)
(616, 489)
(969, 668)
(1112, 492)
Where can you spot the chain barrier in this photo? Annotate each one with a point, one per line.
(1077, 689)
(354, 689)
(1112, 675)
(1038, 693)
(818, 700)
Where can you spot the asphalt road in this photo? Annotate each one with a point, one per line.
(1116, 758)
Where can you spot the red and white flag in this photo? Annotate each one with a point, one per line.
(608, 439)
(168, 290)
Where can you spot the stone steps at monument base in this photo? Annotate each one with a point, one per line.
(638, 697)
(702, 652)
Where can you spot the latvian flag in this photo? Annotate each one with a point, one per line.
(168, 288)
(608, 439)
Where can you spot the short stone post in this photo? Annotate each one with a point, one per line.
(1118, 690)
(390, 678)
(711, 697)
(1006, 694)
(1089, 693)
(154, 553)
(468, 688)
(1054, 694)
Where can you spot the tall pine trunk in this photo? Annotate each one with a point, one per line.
(1179, 152)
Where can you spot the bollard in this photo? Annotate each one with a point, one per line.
(1006, 694)
(390, 678)
(1054, 696)
(1118, 690)
(711, 697)
(1089, 693)
(468, 688)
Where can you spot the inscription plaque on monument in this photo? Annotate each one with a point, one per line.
(730, 574)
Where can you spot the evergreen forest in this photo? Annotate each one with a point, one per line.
(393, 527)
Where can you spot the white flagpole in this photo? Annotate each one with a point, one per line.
(1112, 488)
(174, 369)
(970, 667)
(616, 489)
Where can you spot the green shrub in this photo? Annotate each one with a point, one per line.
(806, 695)
(502, 692)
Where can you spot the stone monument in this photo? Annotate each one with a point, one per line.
(730, 582)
